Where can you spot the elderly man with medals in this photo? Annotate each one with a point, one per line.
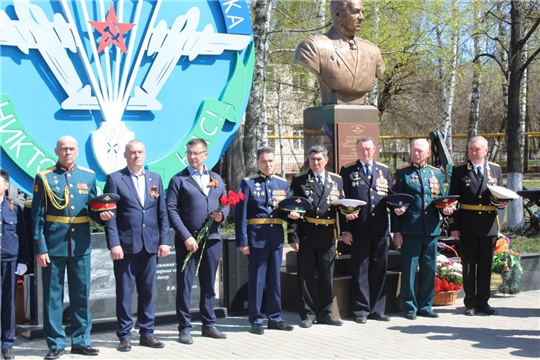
(417, 229)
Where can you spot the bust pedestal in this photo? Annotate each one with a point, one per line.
(337, 127)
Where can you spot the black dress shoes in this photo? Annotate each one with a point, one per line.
(360, 319)
(470, 312)
(488, 310)
(54, 354)
(151, 342)
(7, 353)
(280, 325)
(257, 329)
(185, 338)
(330, 320)
(85, 350)
(410, 316)
(379, 317)
(213, 333)
(429, 314)
(306, 323)
(125, 345)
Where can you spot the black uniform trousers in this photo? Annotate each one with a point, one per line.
(476, 257)
(321, 259)
(368, 266)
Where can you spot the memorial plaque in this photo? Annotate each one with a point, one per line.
(337, 127)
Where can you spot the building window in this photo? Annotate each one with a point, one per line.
(298, 144)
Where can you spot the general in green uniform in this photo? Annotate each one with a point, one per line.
(61, 230)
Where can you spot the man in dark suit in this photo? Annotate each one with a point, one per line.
(367, 231)
(137, 235)
(475, 224)
(417, 230)
(259, 234)
(313, 237)
(192, 198)
(61, 231)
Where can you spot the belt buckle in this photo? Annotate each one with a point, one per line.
(72, 220)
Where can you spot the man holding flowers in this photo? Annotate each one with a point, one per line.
(193, 197)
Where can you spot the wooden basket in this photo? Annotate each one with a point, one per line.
(445, 298)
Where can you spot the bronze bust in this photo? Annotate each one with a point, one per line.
(346, 65)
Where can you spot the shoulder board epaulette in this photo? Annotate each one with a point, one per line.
(349, 164)
(461, 164)
(334, 174)
(279, 177)
(381, 164)
(405, 166)
(300, 174)
(251, 177)
(433, 167)
(494, 164)
(46, 171)
(85, 169)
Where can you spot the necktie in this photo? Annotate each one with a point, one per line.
(366, 168)
(319, 179)
(352, 44)
(479, 172)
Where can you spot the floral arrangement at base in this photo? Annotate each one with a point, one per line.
(231, 199)
(507, 263)
(449, 273)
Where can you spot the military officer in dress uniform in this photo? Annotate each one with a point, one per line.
(259, 234)
(475, 224)
(14, 254)
(417, 229)
(313, 237)
(61, 230)
(367, 231)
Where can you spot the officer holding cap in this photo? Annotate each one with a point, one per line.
(367, 232)
(61, 230)
(313, 237)
(475, 224)
(417, 229)
(14, 253)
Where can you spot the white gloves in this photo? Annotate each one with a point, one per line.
(21, 269)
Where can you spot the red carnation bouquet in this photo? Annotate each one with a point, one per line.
(231, 199)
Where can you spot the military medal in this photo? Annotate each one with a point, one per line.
(381, 185)
(83, 188)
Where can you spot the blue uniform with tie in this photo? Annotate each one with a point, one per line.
(420, 227)
(259, 225)
(14, 251)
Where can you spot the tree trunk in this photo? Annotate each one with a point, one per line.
(255, 133)
(235, 165)
(477, 77)
(514, 130)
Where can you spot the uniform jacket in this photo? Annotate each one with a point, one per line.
(425, 184)
(13, 232)
(262, 195)
(472, 191)
(133, 225)
(189, 208)
(57, 238)
(330, 56)
(373, 217)
(305, 185)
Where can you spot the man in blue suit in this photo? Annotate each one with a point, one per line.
(259, 234)
(192, 198)
(367, 232)
(137, 235)
(417, 230)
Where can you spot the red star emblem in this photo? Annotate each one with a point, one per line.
(112, 32)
